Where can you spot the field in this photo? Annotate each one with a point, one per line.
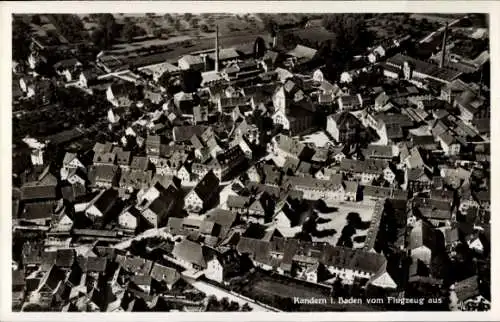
(337, 219)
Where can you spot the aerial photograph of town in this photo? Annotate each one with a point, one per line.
(264, 162)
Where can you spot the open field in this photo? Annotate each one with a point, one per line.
(338, 219)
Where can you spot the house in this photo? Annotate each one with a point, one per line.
(44, 188)
(343, 127)
(189, 254)
(225, 219)
(380, 152)
(238, 204)
(191, 62)
(121, 94)
(68, 68)
(164, 274)
(157, 211)
(449, 143)
(202, 194)
(416, 179)
(70, 161)
(300, 55)
(122, 157)
(350, 102)
(316, 189)
(471, 106)
(102, 204)
(89, 77)
(347, 264)
(367, 170)
(129, 218)
(37, 213)
(105, 175)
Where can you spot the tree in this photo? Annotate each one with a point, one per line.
(271, 27)
(177, 25)
(194, 22)
(204, 28)
(128, 31)
(36, 20)
(259, 47)
(187, 16)
(104, 36)
(20, 39)
(190, 80)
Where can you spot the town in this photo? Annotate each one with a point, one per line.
(250, 162)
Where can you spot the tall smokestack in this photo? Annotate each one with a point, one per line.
(217, 48)
(443, 50)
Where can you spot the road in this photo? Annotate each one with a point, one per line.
(429, 37)
(218, 292)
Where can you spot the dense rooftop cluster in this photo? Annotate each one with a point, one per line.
(235, 181)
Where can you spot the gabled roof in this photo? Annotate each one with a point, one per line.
(189, 251)
(165, 274)
(353, 259)
(207, 186)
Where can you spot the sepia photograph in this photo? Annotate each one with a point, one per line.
(250, 162)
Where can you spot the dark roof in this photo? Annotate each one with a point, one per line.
(425, 68)
(73, 192)
(38, 210)
(353, 259)
(102, 172)
(185, 132)
(41, 189)
(65, 257)
(207, 186)
(467, 288)
(106, 200)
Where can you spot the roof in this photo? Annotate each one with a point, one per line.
(225, 54)
(105, 200)
(235, 201)
(37, 210)
(184, 133)
(302, 52)
(102, 172)
(207, 186)
(191, 60)
(93, 264)
(375, 151)
(434, 71)
(366, 166)
(189, 251)
(353, 259)
(165, 274)
(467, 288)
(41, 189)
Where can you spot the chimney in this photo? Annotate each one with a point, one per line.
(217, 48)
(443, 50)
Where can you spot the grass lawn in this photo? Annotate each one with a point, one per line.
(337, 221)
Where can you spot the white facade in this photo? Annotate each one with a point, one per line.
(214, 270)
(280, 118)
(192, 202)
(127, 220)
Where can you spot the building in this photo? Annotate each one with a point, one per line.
(202, 194)
(344, 127)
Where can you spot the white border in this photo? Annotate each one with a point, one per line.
(7, 8)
